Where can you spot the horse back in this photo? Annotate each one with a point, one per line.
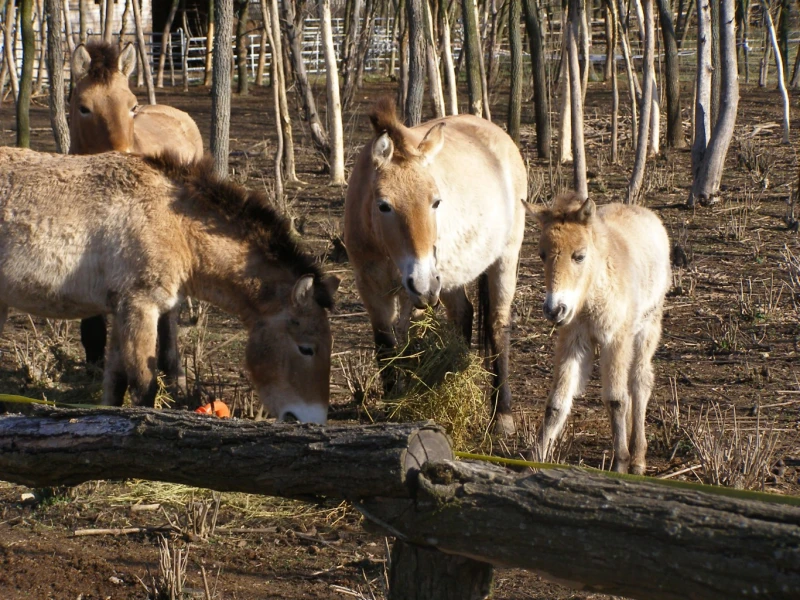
(158, 128)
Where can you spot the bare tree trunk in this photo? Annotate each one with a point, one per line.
(240, 6)
(289, 169)
(779, 67)
(416, 62)
(164, 37)
(702, 111)
(26, 80)
(611, 15)
(610, 47)
(210, 37)
(763, 75)
(275, 66)
(334, 104)
(108, 21)
(293, 22)
(565, 115)
(221, 86)
(633, 80)
(402, 89)
(635, 184)
(743, 29)
(675, 138)
(68, 25)
(541, 101)
(486, 112)
(515, 94)
(55, 73)
(585, 41)
(716, 81)
(42, 43)
(148, 74)
(8, 45)
(434, 79)
(706, 183)
(185, 53)
(576, 99)
(447, 57)
(472, 52)
(350, 59)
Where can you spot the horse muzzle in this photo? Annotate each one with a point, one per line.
(423, 299)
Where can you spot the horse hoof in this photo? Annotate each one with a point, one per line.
(637, 470)
(504, 425)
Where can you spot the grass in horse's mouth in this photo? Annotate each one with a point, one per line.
(439, 378)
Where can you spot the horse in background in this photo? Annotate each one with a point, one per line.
(129, 236)
(607, 271)
(429, 210)
(105, 117)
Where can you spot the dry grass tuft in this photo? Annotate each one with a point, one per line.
(439, 378)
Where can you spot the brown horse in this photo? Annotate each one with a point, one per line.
(430, 209)
(104, 116)
(128, 236)
(607, 272)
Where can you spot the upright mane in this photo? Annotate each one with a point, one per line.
(384, 120)
(567, 207)
(104, 63)
(249, 211)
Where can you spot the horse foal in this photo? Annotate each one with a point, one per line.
(607, 272)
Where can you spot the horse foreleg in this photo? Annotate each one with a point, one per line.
(459, 311)
(169, 358)
(382, 308)
(641, 386)
(93, 339)
(615, 362)
(115, 379)
(572, 366)
(138, 324)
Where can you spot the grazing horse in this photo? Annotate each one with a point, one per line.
(104, 117)
(606, 273)
(430, 209)
(129, 236)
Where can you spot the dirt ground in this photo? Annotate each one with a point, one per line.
(730, 341)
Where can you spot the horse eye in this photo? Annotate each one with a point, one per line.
(436, 203)
(84, 110)
(578, 257)
(384, 206)
(306, 350)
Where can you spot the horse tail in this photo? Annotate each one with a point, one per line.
(485, 332)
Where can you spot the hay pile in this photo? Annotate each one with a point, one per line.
(439, 378)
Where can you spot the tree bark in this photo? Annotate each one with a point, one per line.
(779, 68)
(541, 102)
(221, 86)
(432, 60)
(242, 87)
(672, 77)
(334, 103)
(416, 63)
(716, 81)
(633, 80)
(565, 98)
(576, 15)
(26, 80)
(67, 447)
(275, 76)
(612, 17)
(702, 111)
(64, 7)
(42, 45)
(8, 48)
(447, 57)
(472, 55)
(705, 186)
(637, 176)
(743, 28)
(597, 533)
(210, 37)
(148, 73)
(350, 59)
(55, 73)
(173, 10)
(515, 93)
(289, 169)
(108, 31)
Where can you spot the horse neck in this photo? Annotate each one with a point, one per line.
(231, 273)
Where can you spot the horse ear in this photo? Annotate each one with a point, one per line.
(80, 63)
(127, 59)
(331, 284)
(303, 291)
(587, 210)
(382, 150)
(538, 211)
(431, 144)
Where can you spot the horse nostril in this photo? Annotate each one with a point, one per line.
(410, 286)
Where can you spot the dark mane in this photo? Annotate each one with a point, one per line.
(565, 209)
(384, 120)
(250, 211)
(104, 63)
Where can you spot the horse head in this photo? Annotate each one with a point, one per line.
(567, 249)
(405, 202)
(288, 353)
(102, 106)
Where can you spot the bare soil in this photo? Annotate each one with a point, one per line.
(730, 340)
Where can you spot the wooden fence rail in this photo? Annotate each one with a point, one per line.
(453, 520)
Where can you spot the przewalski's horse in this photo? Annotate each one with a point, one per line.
(128, 236)
(105, 116)
(606, 272)
(430, 209)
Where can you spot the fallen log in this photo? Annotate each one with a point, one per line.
(67, 447)
(601, 534)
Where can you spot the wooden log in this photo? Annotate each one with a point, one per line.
(67, 447)
(597, 533)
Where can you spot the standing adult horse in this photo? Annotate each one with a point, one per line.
(430, 209)
(129, 236)
(105, 117)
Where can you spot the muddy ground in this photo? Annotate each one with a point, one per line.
(730, 341)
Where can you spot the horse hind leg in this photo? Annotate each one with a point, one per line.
(169, 358)
(641, 386)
